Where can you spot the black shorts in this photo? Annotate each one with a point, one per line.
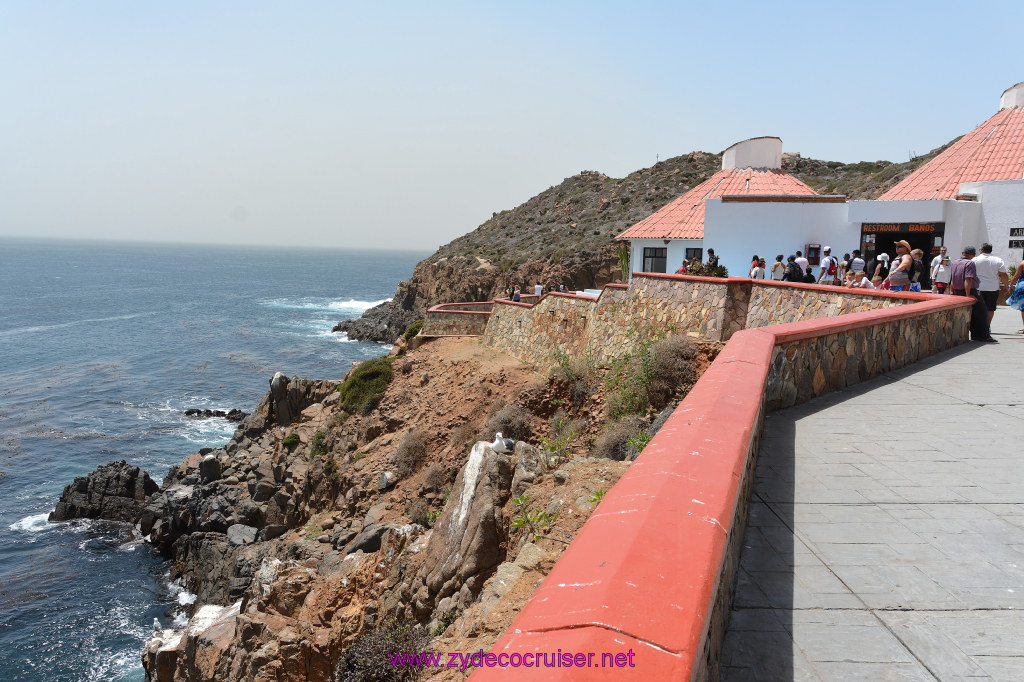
(990, 298)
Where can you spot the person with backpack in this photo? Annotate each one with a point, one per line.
(793, 271)
(829, 268)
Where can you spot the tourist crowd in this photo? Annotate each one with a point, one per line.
(982, 276)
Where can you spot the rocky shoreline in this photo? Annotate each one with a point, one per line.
(308, 529)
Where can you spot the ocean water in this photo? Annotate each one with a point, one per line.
(102, 348)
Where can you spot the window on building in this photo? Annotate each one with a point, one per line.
(655, 259)
(695, 253)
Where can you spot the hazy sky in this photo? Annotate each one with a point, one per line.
(405, 125)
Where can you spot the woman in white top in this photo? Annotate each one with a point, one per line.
(778, 268)
(942, 273)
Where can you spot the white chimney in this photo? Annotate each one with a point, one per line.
(1013, 96)
(757, 152)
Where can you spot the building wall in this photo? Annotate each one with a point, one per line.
(738, 230)
(1002, 207)
(964, 220)
(676, 252)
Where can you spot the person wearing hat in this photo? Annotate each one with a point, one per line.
(964, 282)
(878, 267)
(829, 268)
(901, 270)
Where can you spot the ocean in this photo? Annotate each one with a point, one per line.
(103, 346)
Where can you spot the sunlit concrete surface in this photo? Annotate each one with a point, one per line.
(886, 530)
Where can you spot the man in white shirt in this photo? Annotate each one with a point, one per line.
(538, 289)
(992, 278)
(826, 265)
(802, 262)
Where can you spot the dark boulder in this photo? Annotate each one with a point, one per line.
(115, 492)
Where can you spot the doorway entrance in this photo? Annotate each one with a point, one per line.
(879, 238)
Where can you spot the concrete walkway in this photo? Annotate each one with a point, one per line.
(886, 532)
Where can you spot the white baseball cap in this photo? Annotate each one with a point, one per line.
(827, 249)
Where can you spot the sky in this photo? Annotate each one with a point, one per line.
(406, 124)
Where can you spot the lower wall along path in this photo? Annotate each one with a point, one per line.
(652, 571)
(612, 324)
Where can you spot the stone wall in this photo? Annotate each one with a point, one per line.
(609, 326)
(457, 319)
(557, 324)
(807, 363)
(780, 303)
(653, 305)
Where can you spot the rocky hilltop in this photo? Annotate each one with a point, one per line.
(564, 235)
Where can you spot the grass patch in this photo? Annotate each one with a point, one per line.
(365, 386)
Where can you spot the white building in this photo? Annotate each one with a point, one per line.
(749, 206)
(969, 194)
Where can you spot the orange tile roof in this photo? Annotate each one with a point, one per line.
(992, 151)
(684, 217)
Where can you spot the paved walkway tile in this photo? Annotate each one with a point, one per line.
(886, 532)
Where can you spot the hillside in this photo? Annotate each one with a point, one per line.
(565, 234)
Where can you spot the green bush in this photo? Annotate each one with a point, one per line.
(413, 329)
(318, 445)
(331, 470)
(365, 386)
(290, 440)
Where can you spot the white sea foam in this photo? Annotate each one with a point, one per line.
(351, 305)
(32, 524)
(49, 327)
(179, 594)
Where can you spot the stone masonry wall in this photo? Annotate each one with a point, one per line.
(706, 308)
(613, 324)
(779, 304)
(558, 324)
(454, 323)
(806, 368)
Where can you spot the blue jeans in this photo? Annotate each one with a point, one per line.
(895, 287)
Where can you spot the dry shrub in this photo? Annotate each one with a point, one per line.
(366, 658)
(675, 369)
(579, 373)
(613, 443)
(434, 478)
(410, 453)
(418, 510)
(461, 435)
(512, 421)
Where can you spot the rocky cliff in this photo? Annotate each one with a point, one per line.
(315, 528)
(565, 234)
